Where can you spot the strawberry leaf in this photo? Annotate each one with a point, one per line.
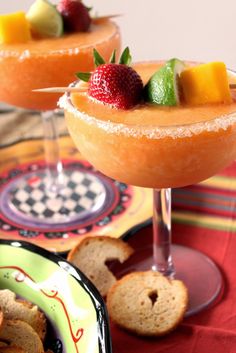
(83, 76)
(98, 60)
(125, 58)
(113, 57)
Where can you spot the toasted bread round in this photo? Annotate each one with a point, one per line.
(20, 334)
(147, 303)
(91, 254)
(16, 309)
(3, 344)
(11, 349)
(1, 319)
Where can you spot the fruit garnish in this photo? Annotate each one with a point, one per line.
(45, 19)
(163, 87)
(206, 83)
(75, 15)
(118, 85)
(14, 28)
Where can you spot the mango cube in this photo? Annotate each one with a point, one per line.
(14, 28)
(205, 83)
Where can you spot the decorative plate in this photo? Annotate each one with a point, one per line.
(76, 314)
(107, 206)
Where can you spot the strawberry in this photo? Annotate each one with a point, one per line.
(75, 15)
(116, 84)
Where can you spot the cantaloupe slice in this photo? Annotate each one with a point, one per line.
(205, 83)
(14, 28)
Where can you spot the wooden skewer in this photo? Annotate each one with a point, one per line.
(104, 18)
(60, 89)
(78, 89)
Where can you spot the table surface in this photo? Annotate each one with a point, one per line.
(20, 125)
(203, 218)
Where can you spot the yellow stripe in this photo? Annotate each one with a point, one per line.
(220, 182)
(204, 221)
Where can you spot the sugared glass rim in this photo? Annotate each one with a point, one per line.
(150, 131)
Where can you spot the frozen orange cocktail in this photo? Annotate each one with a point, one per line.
(40, 60)
(50, 62)
(153, 146)
(44, 47)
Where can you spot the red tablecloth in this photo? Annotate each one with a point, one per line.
(204, 218)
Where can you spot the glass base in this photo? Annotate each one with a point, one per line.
(198, 272)
(31, 200)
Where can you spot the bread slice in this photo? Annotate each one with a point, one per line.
(11, 349)
(19, 333)
(147, 303)
(3, 344)
(22, 310)
(1, 319)
(91, 254)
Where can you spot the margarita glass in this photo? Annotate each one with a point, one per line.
(49, 62)
(159, 148)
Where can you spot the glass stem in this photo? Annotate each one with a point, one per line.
(51, 148)
(162, 260)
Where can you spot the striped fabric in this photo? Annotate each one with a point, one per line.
(209, 204)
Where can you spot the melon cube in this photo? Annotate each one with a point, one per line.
(14, 28)
(205, 83)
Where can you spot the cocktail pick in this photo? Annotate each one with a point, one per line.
(104, 18)
(80, 89)
(60, 89)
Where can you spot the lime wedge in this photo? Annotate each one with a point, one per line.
(45, 19)
(163, 88)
